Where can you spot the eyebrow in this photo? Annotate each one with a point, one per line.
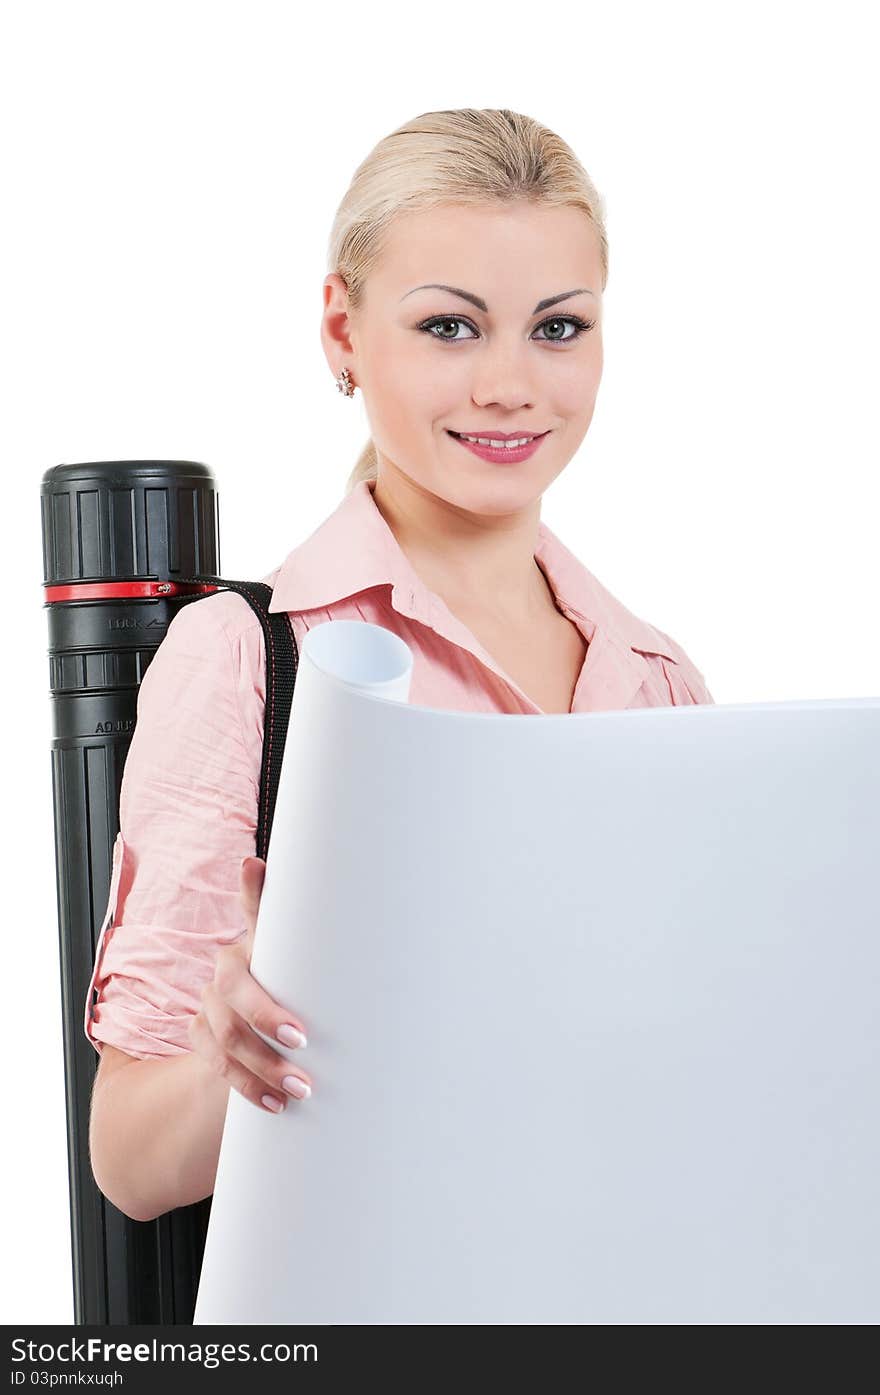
(481, 304)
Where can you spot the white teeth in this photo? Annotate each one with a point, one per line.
(498, 445)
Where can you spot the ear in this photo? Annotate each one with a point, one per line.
(336, 323)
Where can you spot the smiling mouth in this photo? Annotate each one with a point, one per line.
(497, 442)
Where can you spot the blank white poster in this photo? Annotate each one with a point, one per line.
(592, 1012)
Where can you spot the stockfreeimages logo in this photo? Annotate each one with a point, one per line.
(94, 1350)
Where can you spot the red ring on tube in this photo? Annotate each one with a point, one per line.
(124, 590)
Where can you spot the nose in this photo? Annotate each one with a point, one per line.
(502, 377)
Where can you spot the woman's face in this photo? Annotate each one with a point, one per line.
(431, 361)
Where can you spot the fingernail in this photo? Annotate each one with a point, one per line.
(294, 1086)
(272, 1103)
(291, 1036)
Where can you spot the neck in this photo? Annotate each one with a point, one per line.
(470, 560)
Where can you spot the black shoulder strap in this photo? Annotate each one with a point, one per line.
(282, 659)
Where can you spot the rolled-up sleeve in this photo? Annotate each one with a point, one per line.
(188, 815)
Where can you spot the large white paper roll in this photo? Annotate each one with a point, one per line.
(592, 1009)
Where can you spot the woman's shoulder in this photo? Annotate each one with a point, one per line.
(204, 684)
(645, 637)
(217, 615)
(213, 652)
(693, 677)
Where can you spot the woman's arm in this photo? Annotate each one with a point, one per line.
(188, 813)
(155, 1131)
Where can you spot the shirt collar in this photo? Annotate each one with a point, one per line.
(354, 549)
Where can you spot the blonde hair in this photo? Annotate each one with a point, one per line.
(465, 156)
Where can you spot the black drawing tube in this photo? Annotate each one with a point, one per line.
(116, 536)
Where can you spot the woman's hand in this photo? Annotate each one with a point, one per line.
(234, 1002)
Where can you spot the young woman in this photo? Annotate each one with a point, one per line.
(468, 262)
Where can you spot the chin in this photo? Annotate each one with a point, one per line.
(494, 497)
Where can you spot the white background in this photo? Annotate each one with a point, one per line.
(170, 173)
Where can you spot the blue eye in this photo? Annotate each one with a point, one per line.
(579, 326)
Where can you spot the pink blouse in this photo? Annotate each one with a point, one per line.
(190, 787)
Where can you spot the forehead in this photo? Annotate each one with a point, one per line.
(485, 246)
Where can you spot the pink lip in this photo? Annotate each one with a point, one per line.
(502, 455)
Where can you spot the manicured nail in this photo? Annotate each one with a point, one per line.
(294, 1086)
(272, 1103)
(291, 1036)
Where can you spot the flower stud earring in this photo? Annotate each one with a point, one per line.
(344, 383)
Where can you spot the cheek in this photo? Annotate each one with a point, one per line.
(408, 400)
(392, 380)
(573, 391)
(418, 391)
